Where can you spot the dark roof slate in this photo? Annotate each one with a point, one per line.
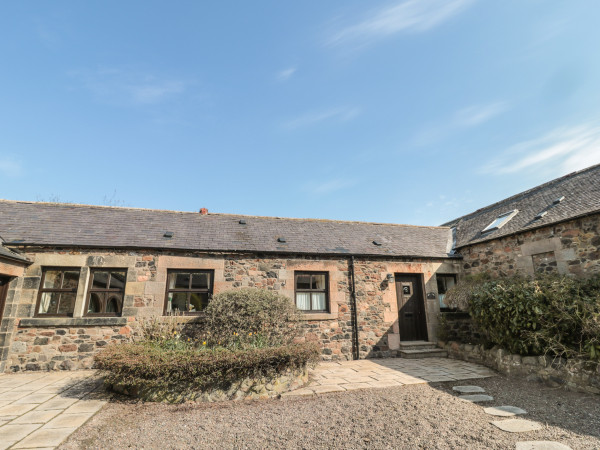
(9, 254)
(582, 197)
(65, 225)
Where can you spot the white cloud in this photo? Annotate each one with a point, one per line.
(325, 187)
(10, 167)
(337, 114)
(409, 16)
(560, 151)
(467, 117)
(286, 74)
(478, 114)
(126, 88)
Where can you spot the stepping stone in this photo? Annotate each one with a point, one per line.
(476, 398)
(504, 411)
(517, 425)
(468, 389)
(542, 445)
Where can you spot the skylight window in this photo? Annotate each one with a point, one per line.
(500, 221)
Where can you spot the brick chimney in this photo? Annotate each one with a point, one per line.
(203, 211)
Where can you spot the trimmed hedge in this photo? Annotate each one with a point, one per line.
(149, 365)
(551, 314)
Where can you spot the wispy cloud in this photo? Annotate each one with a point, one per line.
(561, 150)
(123, 87)
(406, 16)
(328, 186)
(467, 117)
(341, 114)
(478, 114)
(9, 167)
(286, 74)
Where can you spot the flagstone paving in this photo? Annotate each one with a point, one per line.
(41, 409)
(504, 411)
(382, 373)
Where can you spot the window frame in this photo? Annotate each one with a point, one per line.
(437, 276)
(91, 290)
(42, 290)
(326, 291)
(211, 285)
(507, 216)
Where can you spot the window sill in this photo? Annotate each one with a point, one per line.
(318, 316)
(72, 322)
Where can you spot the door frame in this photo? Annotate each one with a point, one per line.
(421, 325)
(3, 294)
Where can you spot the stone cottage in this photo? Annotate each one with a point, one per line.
(554, 227)
(76, 278)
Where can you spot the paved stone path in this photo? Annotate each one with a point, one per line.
(379, 373)
(41, 409)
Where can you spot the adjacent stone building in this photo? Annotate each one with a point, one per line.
(552, 228)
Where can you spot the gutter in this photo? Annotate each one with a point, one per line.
(353, 311)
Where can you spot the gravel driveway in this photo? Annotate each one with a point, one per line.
(415, 416)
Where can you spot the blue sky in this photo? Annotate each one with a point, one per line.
(399, 111)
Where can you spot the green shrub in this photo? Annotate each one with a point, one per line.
(551, 314)
(251, 317)
(151, 366)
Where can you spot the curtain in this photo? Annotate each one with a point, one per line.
(303, 300)
(319, 301)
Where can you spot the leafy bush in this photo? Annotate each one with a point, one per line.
(551, 314)
(149, 365)
(251, 317)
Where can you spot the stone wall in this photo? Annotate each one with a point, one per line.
(377, 307)
(247, 389)
(571, 247)
(557, 372)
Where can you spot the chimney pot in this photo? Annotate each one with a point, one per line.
(203, 211)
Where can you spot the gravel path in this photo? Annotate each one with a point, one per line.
(415, 416)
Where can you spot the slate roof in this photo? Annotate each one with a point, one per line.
(582, 197)
(9, 254)
(65, 225)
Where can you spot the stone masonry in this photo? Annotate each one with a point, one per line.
(36, 343)
(571, 248)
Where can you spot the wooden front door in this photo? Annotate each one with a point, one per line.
(3, 291)
(411, 308)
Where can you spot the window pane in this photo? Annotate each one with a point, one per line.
(52, 279)
(200, 280)
(117, 280)
(95, 304)
(303, 282)
(182, 281)
(113, 305)
(303, 301)
(71, 280)
(177, 302)
(67, 303)
(318, 282)
(198, 301)
(100, 280)
(49, 303)
(318, 301)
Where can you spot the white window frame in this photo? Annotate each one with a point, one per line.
(496, 225)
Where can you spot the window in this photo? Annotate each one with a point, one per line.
(311, 291)
(188, 291)
(444, 282)
(107, 288)
(58, 291)
(500, 221)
